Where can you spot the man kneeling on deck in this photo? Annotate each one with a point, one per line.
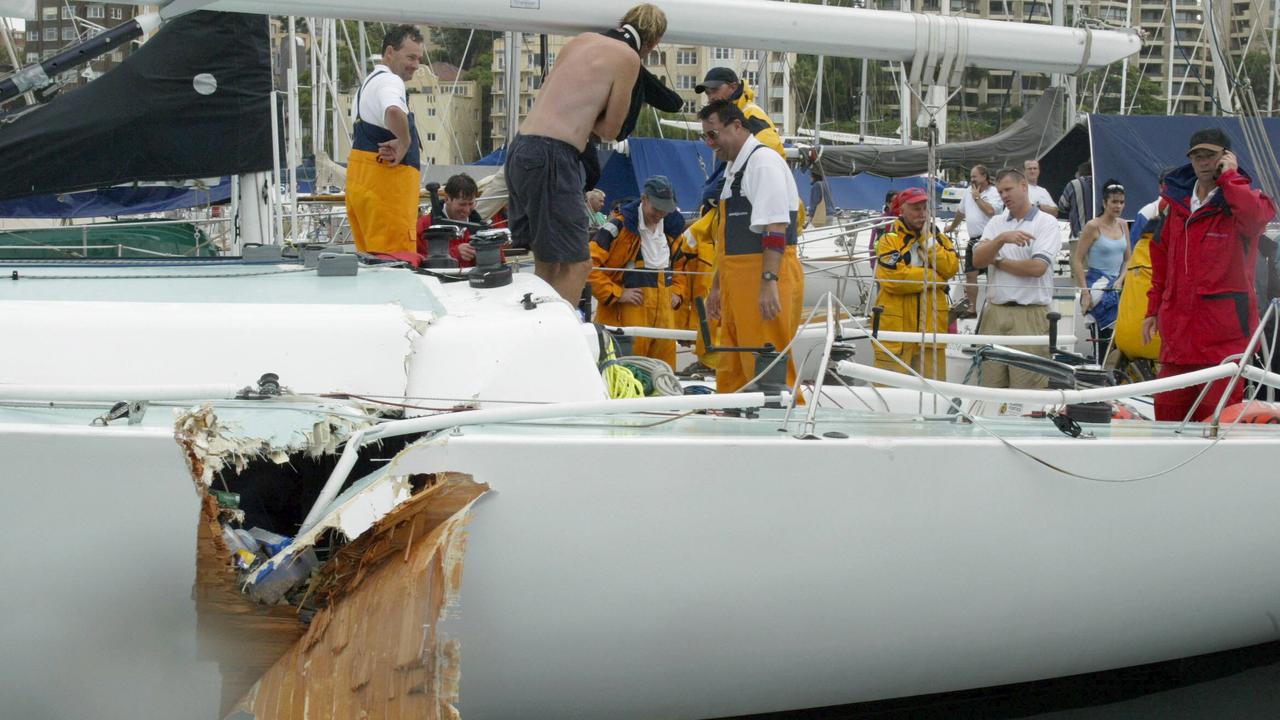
(631, 267)
(912, 269)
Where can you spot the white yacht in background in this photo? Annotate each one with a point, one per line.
(450, 517)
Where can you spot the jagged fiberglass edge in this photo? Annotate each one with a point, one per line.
(377, 494)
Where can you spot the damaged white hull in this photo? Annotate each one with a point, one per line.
(704, 566)
(773, 573)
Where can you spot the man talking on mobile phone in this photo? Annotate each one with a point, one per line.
(1201, 299)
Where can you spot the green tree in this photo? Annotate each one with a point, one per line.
(1256, 75)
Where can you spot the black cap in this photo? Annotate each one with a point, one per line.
(716, 77)
(1209, 139)
(660, 193)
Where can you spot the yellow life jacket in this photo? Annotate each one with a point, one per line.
(1133, 305)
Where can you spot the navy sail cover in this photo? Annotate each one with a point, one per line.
(149, 119)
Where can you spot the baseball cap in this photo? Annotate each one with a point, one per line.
(1209, 139)
(716, 77)
(907, 197)
(658, 189)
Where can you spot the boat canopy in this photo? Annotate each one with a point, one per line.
(1028, 137)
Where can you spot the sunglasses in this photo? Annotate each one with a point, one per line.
(711, 134)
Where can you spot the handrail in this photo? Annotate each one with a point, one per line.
(855, 332)
(1043, 397)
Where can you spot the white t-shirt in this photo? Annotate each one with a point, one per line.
(975, 220)
(386, 90)
(1197, 203)
(1151, 210)
(653, 244)
(1004, 287)
(768, 184)
(1039, 196)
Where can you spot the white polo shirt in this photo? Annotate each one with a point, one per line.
(1039, 196)
(1004, 287)
(975, 220)
(379, 93)
(653, 243)
(768, 184)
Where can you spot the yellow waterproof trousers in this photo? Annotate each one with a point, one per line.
(655, 312)
(741, 324)
(928, 360)
(382, 204)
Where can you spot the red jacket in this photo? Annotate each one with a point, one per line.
(425, 221)
(1202, 269)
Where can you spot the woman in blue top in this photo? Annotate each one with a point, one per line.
(1099, 262)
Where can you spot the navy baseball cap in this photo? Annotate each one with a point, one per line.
(716, 77)
(1209, 139)
(661, 196)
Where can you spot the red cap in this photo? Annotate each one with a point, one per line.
(907, 197)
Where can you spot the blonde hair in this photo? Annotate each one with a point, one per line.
(597, 192)
(649, 21)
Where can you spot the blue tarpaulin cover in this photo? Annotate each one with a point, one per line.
(1134, 149)
(863, 191)
(687, 163)
(114, 201)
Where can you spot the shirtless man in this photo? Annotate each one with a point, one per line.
(587, 94)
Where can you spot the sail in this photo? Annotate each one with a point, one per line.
(192, 102)
(1028, 137)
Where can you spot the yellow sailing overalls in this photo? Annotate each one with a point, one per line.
(741, 256)
(382, 200)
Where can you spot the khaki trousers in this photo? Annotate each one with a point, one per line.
(1014, 320)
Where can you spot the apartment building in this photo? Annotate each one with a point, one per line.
(1240, 25)
(681, 67)
(446, 112)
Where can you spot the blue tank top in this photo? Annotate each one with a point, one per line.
(1107, 254)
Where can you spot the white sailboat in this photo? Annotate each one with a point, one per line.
(500, 539)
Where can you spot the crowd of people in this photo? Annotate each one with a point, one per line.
(648, 266)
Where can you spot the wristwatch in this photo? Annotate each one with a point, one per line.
(766, 275)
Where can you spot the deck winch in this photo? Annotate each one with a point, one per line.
(490, 271)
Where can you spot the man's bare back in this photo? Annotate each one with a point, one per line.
(587, 92)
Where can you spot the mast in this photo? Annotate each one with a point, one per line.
(817, 108)
(1058, 18)
(862, 101)
(315, 86)
(1221, 75)
(295, 126)
(938, 98)
(512, 53)
(333, 78)
(1124, 64)
(1271, 76)
(1168, 45)
(364, 52)
(904, 91)
(13, 56)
